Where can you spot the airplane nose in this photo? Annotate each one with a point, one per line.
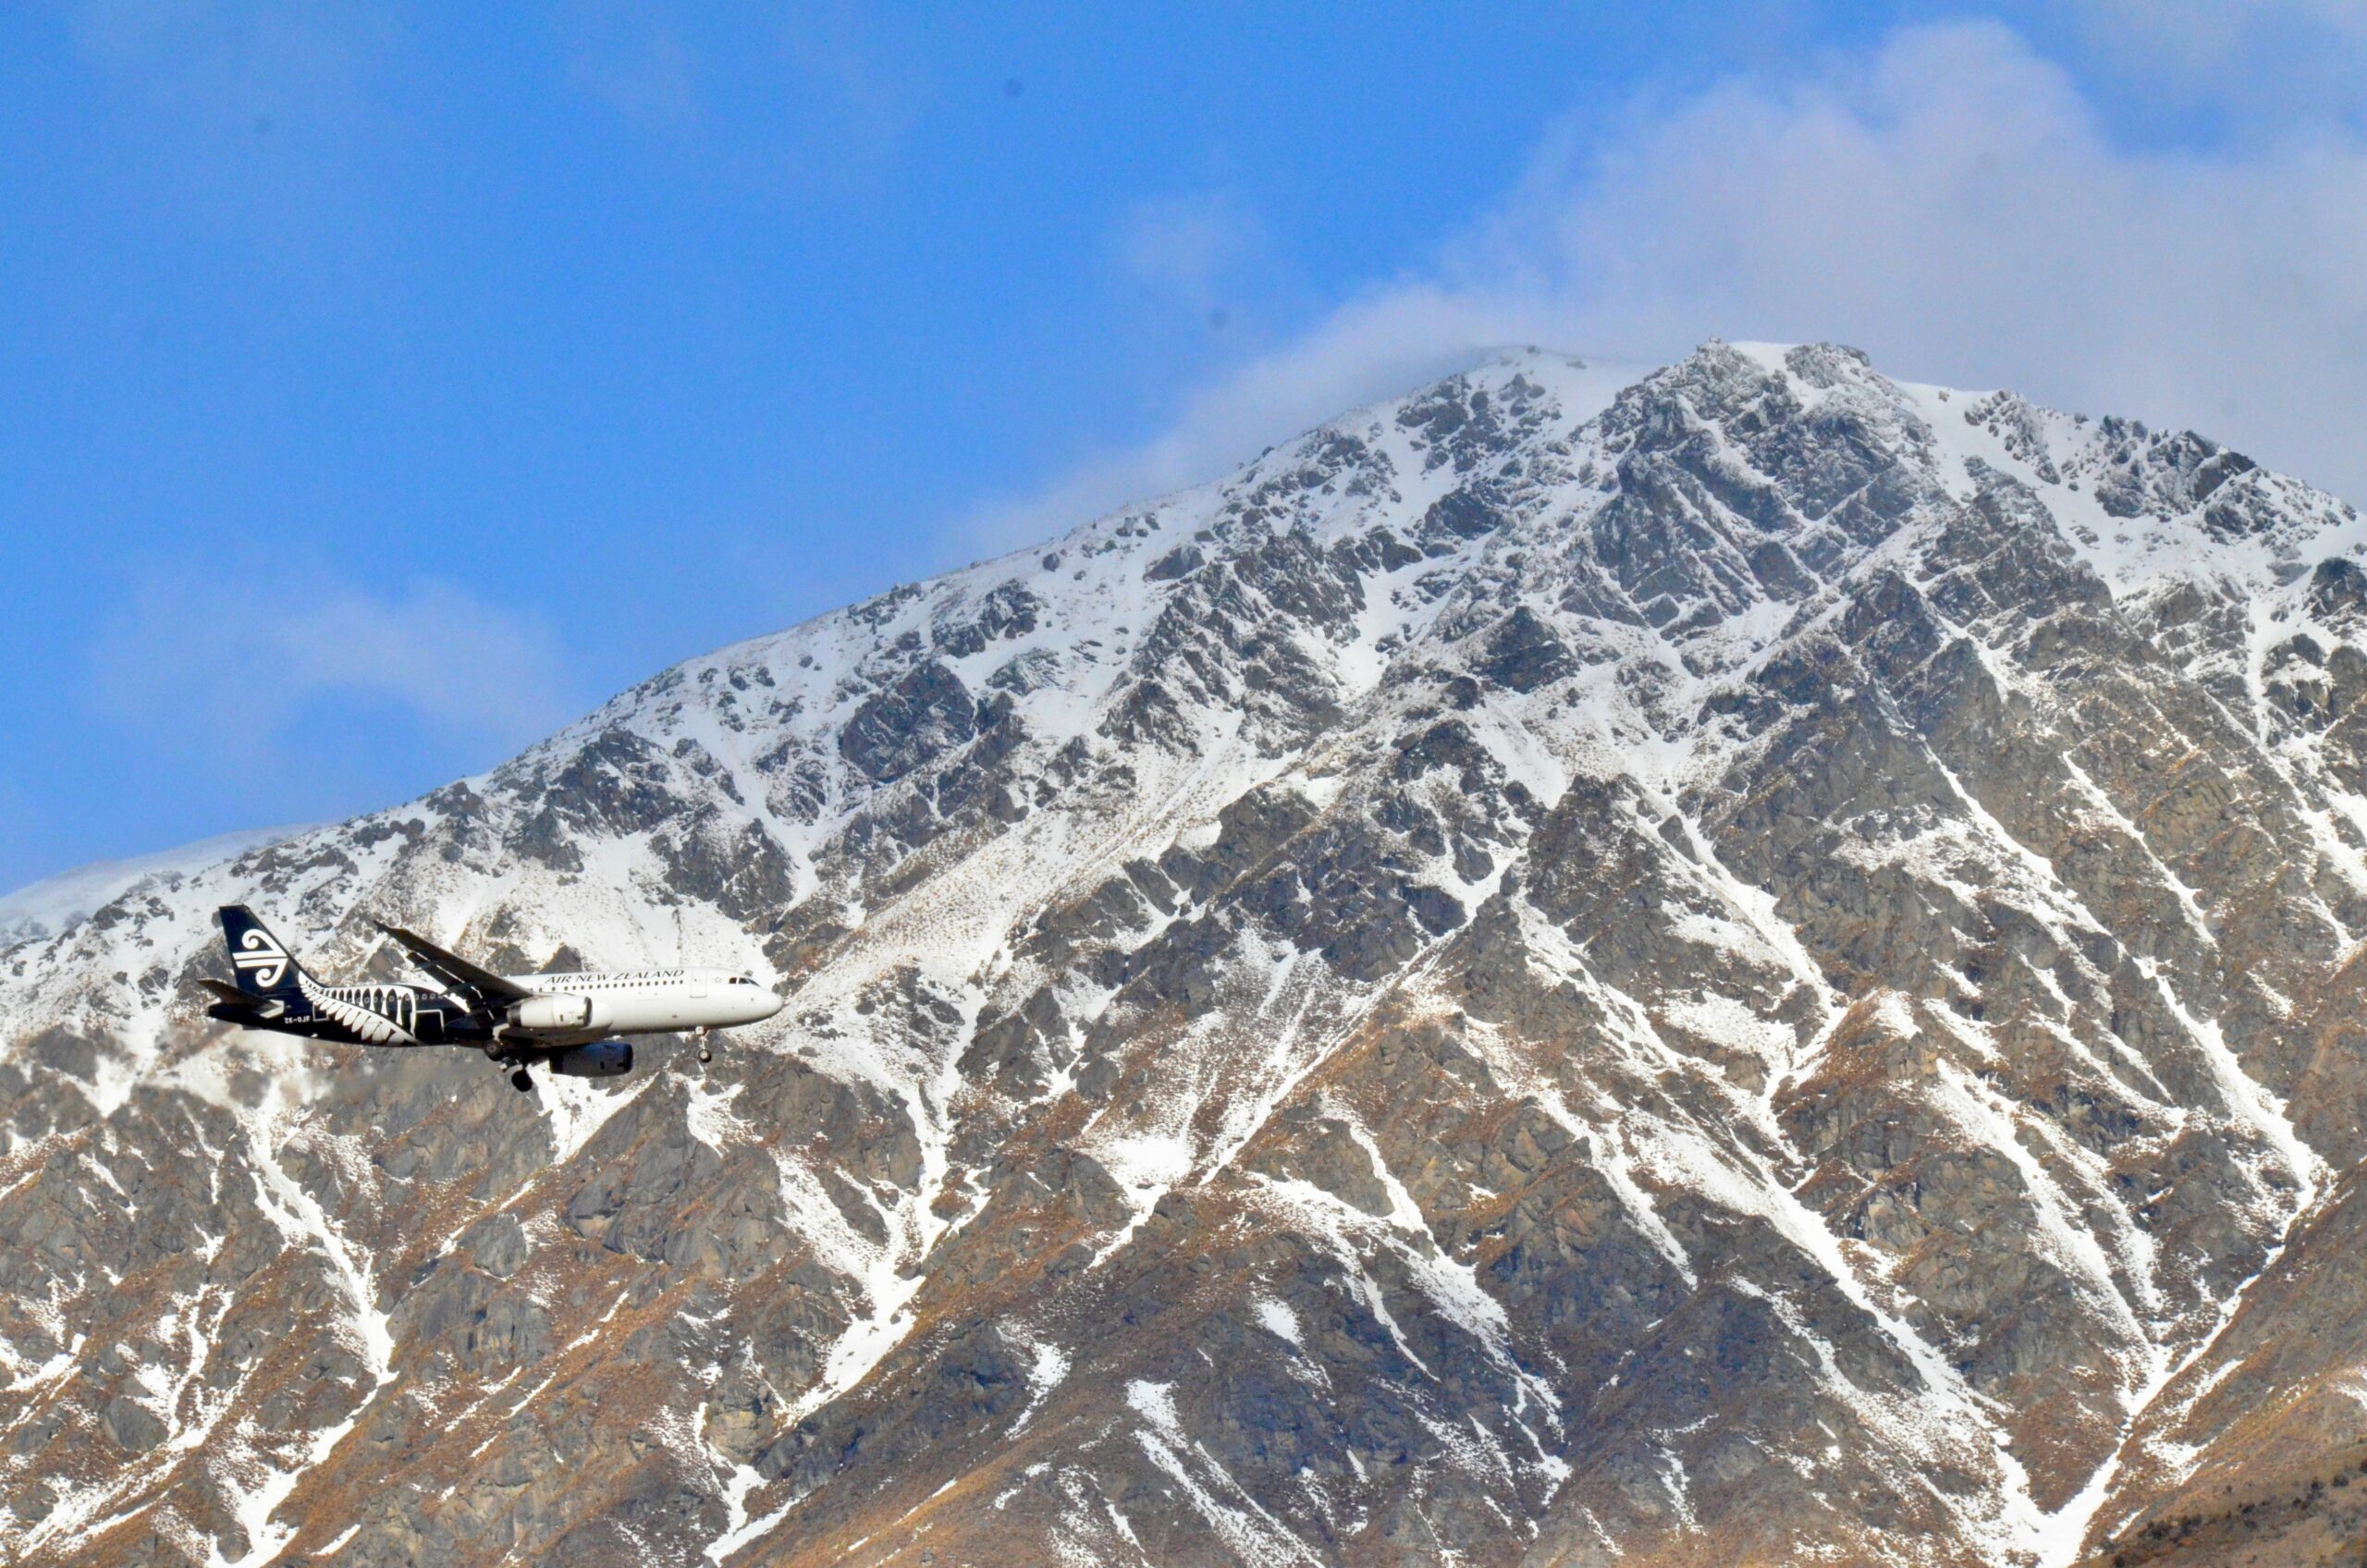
(772, 1004)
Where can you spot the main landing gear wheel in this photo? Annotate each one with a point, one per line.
(519, 1082)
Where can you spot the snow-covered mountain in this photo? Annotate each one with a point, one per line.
(1746, 964)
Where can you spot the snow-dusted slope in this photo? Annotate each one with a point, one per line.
(49, 906)
(1723, 966)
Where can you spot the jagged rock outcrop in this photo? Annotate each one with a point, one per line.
(1751, 965)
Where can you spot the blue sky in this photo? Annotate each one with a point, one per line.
(383, 385)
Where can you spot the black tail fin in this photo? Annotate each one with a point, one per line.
(265, 968)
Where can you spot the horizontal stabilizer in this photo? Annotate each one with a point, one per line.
(232, 1005)
(224, 992)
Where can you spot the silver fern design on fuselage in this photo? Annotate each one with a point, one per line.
(569, 1021)
(378, 1015)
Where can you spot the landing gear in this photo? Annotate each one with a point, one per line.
(705, 1053)
(519, 1082)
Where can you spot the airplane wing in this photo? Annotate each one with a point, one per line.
(486, 991)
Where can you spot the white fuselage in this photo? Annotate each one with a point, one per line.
(648, 1001)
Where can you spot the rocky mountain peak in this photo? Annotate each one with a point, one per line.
(1714, 965)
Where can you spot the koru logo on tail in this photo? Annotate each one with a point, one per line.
(266, 958)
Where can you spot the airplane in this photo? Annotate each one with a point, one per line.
(569, 1021)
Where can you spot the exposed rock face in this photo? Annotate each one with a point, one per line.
(1753, 966)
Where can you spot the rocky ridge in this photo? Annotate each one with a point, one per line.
(1733, 965)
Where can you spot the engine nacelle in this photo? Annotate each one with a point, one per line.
(557, 1015)
(601, 1059)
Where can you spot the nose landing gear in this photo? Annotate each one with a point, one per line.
(705, 1053)
(519, 1082)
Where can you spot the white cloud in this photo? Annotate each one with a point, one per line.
(228, 665)
(2216, 33)
(2253, 68)
(1363, 351)
(1185, 248)
(1947, 201)
(822, 95)
(230, 63)
(633, 56)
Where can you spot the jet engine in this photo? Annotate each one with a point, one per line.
(602, 1059)
(552, 1016)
